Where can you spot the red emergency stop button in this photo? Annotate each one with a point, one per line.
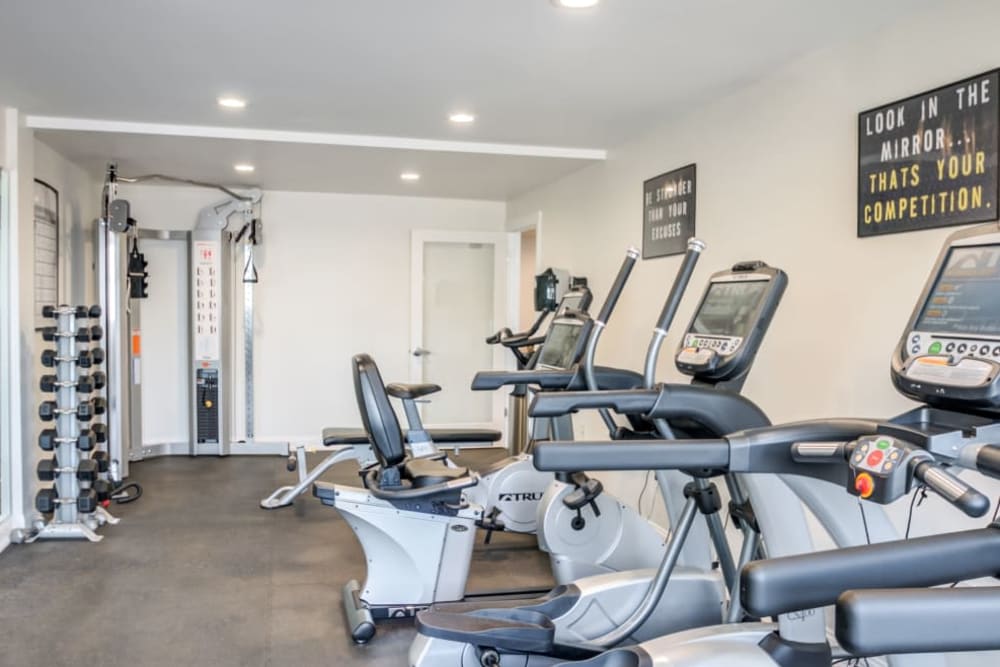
(864, 485)
(875, 458)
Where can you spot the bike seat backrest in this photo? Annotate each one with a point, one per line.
(377, 416)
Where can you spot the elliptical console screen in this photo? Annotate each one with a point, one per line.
(965, 298)
(728, 308)
(559, 350)
(571, 302)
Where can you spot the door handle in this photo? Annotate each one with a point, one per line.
(421, 352)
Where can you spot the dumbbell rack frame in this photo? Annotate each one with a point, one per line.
(67, 521)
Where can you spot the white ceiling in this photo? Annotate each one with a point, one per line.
(532, 73)
(310, 167)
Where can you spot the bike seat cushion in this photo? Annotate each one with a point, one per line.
(426, 472)
(401, 390)
(506, 629)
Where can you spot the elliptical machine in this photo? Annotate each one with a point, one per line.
(730, 322)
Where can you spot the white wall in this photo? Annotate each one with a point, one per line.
(334, 281)
(10, 422)
(777, 168)
(79, 197)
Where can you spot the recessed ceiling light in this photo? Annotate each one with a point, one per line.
(232, 103)
(574, 4)
(243, 168)
(410, 176)
(462, 117)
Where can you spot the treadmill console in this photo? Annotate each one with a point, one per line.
(950, 351)
(734, 313)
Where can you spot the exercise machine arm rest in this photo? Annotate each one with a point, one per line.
(546, 379)
(411, 391)
(632, 455)
(880, 622)
(628, 402)
(781, 585)
(721, 411)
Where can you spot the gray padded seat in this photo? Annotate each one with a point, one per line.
(425, 472)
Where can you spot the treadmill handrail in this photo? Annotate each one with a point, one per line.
(782, 585)
(918, 620)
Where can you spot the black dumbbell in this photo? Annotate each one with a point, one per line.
(102, 488)
(86, 502)
(49, 358)
(100, 405)
(97, 356)
(87, 470)
(83, 335)
(49, 334)
(84, 384)
(47, 439)
(99, 379)
(96, 333)
(47, 411)
(47, 469)
(101, 457)
(80, 311)
(48, 382)
(85, 411)
(49, 311)
(46, 501)
(100, 432)
(86, 441)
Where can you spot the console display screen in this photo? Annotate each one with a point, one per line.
(571, 302)
(559, 348)
(965, 298)
(728, 308)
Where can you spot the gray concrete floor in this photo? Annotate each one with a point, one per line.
(197, 574)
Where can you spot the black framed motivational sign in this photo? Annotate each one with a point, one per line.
(668, 212)
(930, 160)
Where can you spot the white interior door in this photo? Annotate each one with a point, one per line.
(461, 293)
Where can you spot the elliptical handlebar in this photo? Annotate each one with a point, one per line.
(631, 255)
(694, 249)
(618, 286)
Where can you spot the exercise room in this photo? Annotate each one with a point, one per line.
(500, 333)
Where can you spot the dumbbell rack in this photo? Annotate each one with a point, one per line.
(71, 507)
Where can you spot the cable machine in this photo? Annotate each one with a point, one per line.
(214, 275)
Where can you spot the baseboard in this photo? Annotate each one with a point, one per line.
(5, 527)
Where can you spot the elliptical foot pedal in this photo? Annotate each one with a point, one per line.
(359, 617)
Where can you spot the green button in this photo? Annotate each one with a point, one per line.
(934, 348)
(882, 444)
